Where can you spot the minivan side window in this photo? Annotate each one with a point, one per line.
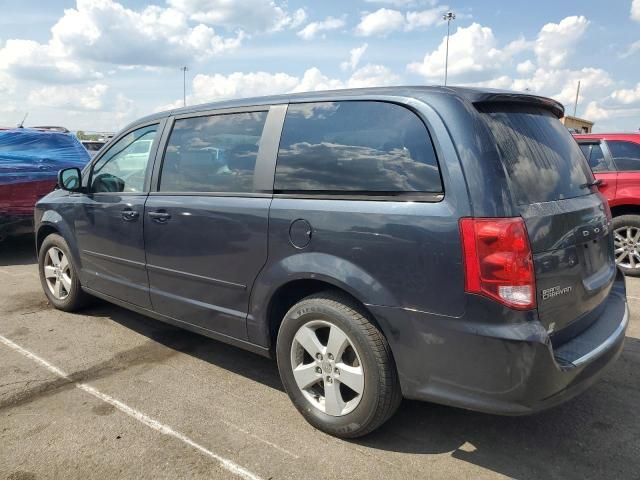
(214, 153)
(595, 157)
(123, 167)
(626, 155)
(355, 147)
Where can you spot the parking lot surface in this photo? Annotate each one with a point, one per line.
(110, 393)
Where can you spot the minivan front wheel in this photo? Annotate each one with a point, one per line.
(626, 239)
(58, 275)
(336, 366)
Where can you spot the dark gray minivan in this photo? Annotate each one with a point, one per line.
(432, 243)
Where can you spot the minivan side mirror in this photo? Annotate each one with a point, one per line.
(70, 179)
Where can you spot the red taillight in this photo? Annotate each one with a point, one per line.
(498, 261)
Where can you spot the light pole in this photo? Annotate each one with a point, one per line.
(448, 17)
(575, 105)
(184, 85)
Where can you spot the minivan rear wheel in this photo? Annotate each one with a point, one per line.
(626, 235)
(58, 275)
(336, 366)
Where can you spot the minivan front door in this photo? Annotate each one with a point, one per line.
(109, 221)
(206, 226)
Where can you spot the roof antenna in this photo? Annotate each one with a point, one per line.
(21, 124)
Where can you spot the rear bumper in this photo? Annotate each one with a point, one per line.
(510, 369)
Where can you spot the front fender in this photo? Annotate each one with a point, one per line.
(51, 219)
(327, 268)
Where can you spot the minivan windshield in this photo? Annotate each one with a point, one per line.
(541, 158)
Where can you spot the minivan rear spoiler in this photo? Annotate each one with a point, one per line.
(531, 100)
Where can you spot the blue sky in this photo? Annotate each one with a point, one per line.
(98, 64)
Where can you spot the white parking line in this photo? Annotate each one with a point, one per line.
(132, 412)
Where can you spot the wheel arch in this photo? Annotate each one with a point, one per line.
(287, 295)
(282, 285)
(626, 209)
(53, 223)
(43, 232)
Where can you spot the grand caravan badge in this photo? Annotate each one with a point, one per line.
(556, 291)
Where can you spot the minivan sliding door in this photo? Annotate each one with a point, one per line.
(206, 225)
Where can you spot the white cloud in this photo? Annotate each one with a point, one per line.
(27, 59)
(355, 54)
(209, 88)
(372, 76)
(627, 96)
(314, 29)
(474, 52)
(7, 83)
(214, 87)
(314, 80)
(105, 31)
(251, 15)
(631, 50)
(472, 49)
(425, 18)
(635, 10)
(384, 21)
(298, 18)
(595, 112)
(89, 98)
(525, 67)
(556, 40)
(517, 46)
(503, 82)
(380, 22)
(562, 84)
(397, 3)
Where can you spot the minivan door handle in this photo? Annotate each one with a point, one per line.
(160, 217)
(129, 215)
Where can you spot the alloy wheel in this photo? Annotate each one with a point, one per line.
(57, 273)
(327, 368)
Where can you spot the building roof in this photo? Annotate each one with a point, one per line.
(578, 119)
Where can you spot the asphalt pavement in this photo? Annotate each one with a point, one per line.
(108, 393)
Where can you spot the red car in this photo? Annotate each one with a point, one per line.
(615, 161)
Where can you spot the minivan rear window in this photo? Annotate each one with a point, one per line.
(541, 158)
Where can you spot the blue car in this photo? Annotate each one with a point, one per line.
(29, 163)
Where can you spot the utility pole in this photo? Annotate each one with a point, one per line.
(448, 17)
(21, 124)
(575, 105)
(184, 85)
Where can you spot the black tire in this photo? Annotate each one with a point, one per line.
(76, 297)
(381, 394)
(623, 222)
